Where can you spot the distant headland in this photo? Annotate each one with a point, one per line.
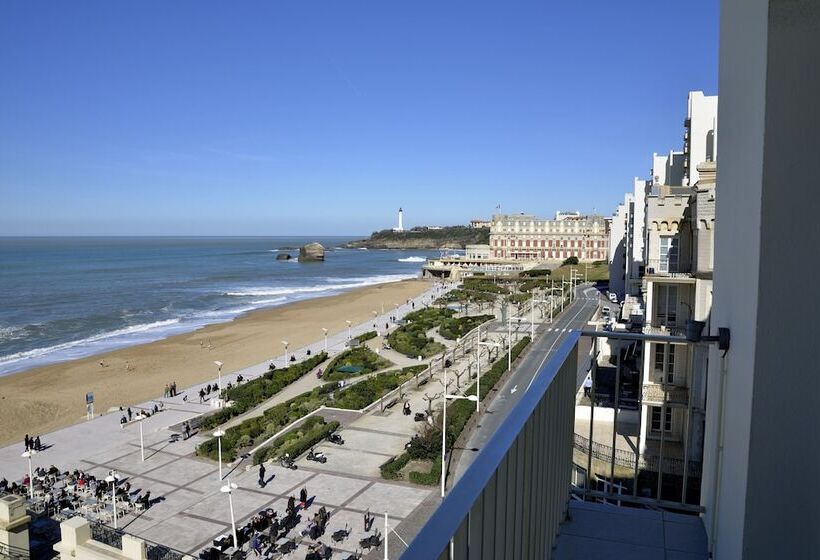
(446, 237)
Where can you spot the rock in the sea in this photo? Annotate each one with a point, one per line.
(283, 257)
(312, 252)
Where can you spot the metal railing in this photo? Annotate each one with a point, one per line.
(658, 393)
(669, 268)
(113, 537)
(511, 499)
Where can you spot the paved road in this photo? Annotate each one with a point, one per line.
(548, 338)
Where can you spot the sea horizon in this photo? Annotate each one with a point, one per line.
(70, 297)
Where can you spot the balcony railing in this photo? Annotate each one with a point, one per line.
(513, 496)
(658, 394)
(667, 268)
(13, 553)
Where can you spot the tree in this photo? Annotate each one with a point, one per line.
(570, 261)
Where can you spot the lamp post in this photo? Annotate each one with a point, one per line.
(218, 435)
(349, 335)
(375, 323)
(112, 480)
(509, 340)
(219, 374)
(532, 314)
(227, 489)
(324, 330)
(142, 441)
(285, 343)
(445, 396)
(27, 454)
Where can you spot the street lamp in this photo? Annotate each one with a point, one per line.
(219, 373)
(142, 441)
(27, 454)
(324, 330)
(285, 343)
(349, 335)
(509, 338)
(112, 480)
(532, 314)
(445, 396)
(227, 489)
(218, 435)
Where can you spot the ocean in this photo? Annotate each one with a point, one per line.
(66, 298)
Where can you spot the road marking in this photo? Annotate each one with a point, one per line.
(538, 369)
(514, 389)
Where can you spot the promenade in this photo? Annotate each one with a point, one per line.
(190, 510)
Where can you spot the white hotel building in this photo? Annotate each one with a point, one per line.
(525, 237)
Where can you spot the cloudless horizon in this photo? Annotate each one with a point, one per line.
(322, 118)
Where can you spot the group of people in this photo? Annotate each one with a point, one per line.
(170, 390)
(70, 490)
(32, 443)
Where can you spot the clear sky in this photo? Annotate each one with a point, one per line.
(304, 117)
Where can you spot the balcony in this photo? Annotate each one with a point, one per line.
(517, 498)
(657, 394)
(668, 269)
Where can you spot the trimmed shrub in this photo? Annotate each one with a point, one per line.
(390, 469)
(254, 392)
(411, 339)
(452, 328)
(360, 356)
(430, 478)
(297, 441)
(535, 272)
(570, 261)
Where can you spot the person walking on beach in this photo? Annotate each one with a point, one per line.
(303, 498)
(262, 475)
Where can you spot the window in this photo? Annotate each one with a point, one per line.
(666, 305)
(668, 261)
(656, 419)
(661, 356)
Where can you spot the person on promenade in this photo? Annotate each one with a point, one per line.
(587, 385)
(291, 507)
(129, 413)
(37, 443)
(303, 495)
(201, 395)
(187, 428)
(368, 520)
(167, 392)
(262, 475)
(27, 442)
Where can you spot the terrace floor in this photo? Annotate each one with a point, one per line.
(604, 531)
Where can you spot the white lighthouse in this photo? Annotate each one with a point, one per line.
(401, 221)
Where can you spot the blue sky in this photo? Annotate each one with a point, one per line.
(303, 117)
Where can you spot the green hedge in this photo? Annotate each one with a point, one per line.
(411, 339)
(360, 356)
(453, 328)
(390, 469)
(430, 478)
(367, 336)
(297, 441)
(483, 285)
(534, 284)
(519, 298)
(535, 272)
(252, 393)
(365, 392)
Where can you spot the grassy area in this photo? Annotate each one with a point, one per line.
(597, 271)
(411, 339)
(453, 328)
(359, 357)
(239, 438)
(365, 392)
(483, 285)
(248, 395)
(297, 441)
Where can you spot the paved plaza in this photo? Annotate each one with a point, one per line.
(191, 511)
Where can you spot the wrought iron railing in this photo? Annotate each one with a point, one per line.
(113, 537)
(105, 534)
(626, 458)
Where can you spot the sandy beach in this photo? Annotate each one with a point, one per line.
(40, 400)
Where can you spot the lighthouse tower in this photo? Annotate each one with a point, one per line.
(401, 220)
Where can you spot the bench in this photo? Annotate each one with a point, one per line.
(392, 402)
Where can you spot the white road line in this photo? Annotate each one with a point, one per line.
(538, 369)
